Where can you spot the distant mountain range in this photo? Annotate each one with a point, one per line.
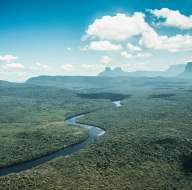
(173, 71)
(187, 73)
(108, 72)
(182, 71)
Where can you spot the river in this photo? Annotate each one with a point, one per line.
(93, 133)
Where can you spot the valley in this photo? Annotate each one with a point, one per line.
(147, 140)
(95, 95)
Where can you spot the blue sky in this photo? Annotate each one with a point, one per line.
(81, 37)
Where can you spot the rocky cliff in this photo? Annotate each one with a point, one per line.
(188, 71)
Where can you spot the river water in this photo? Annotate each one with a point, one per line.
(93, 133)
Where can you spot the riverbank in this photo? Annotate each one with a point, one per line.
(93, 133)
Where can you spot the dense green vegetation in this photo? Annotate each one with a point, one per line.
(147, 144)
(104, 95)
(40, 104)
(25, 141)
(32, 121)
(106, 84)
(161, 95)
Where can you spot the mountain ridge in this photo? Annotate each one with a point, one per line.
(172, 71)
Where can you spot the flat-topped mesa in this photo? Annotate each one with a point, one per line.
(107, 68)
(188, 71)
(108, 72)
(118, 69)
(188, 68)
(172, 71)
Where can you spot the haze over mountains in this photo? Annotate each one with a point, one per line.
(110, 77)
(188, 71)
(173, 71)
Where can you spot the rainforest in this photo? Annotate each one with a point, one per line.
(147, 141)
(95, 95)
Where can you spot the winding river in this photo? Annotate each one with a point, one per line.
(117, 103)
(93, 133)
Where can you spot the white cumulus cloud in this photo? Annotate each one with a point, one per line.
(104, 46)
(126, 55)
(133, 48)
(119, 27)
(173, 18)
(8, 58)
(135, 55)
(151, 39)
